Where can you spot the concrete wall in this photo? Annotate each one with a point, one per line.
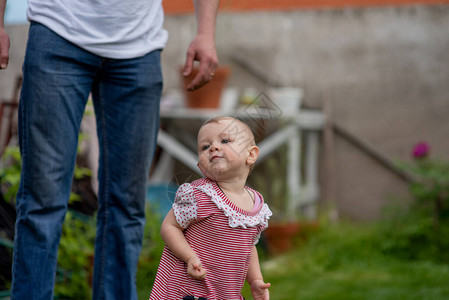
(384, 69)
(18, 36)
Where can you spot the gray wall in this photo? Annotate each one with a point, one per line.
(384, 69)
(18, 36)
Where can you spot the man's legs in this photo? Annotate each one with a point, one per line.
(56, 83)
(126, 97)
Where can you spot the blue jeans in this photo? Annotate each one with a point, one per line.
(57, 79)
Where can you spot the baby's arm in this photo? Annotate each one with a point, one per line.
(259, 289)
(173, 236)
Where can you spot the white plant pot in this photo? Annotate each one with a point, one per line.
(287, 99)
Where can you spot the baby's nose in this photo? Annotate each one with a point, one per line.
(214, 147)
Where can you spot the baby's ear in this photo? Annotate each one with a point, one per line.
(253, 154)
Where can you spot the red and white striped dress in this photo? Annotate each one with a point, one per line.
(221, 234)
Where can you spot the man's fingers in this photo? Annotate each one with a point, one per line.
(205, 74)
(188, 66)
(4, 50)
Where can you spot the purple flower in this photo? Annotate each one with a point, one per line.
(421, 150)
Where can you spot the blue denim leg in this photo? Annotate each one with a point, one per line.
(126, 98)
(54, 94)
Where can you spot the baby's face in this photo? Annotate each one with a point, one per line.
(223, 149)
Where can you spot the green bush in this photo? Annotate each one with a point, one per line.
(75, 257)
(421, 232)
(152, 248)
(76, 251)
(415, 236)
(11, 165)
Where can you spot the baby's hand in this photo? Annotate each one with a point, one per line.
(259, 290)
(195, 268)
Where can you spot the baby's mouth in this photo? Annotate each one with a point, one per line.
(215, 157)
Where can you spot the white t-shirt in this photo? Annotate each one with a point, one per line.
(108, 28)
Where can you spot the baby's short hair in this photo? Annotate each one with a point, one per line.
(247, 128)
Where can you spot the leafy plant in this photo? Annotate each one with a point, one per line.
(76, 246)
(11, 168)
(75, 257)
(420, 232)
(431, 187)
(10, 173)
(76, 253)
(152, 248)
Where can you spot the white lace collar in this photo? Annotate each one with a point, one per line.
(236, 216)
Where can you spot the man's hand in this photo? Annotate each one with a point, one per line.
(203, 50)
(4, 49)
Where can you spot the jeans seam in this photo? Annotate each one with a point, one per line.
(105, 193)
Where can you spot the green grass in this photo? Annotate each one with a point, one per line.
(347, 262)
(342, 261)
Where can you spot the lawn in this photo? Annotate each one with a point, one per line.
(384, 280)
(406, 259)
(347, 262)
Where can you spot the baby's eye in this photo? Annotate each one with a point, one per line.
(225, 141)
(205, 147)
